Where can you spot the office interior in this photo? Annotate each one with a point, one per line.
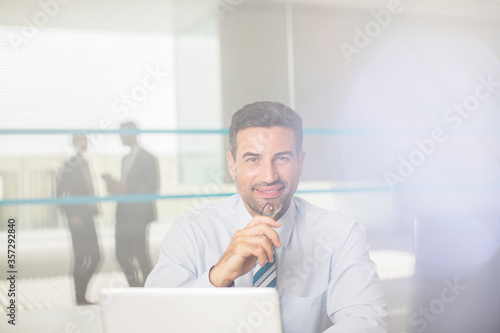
(400, 103)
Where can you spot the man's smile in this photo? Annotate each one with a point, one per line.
(269, 192)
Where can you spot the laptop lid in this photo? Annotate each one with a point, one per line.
(176, 310)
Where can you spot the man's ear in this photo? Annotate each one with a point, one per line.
(230, 162)
(301, 161)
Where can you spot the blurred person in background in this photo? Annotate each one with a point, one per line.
(139, 175)
(74, 179)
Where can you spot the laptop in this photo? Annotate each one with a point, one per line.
(176, 310)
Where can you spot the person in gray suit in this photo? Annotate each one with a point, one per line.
(139, 176)
(74, 179)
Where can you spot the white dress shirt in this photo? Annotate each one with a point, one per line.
(129, 160)
(325, 278)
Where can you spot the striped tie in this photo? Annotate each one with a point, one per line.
(265, 276)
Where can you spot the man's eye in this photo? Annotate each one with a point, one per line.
(252, 159)
(283, 158)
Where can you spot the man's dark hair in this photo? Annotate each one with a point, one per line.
(265, 114)
(131, 127)
(129, 124)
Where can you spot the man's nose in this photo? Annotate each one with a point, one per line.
(268, 172)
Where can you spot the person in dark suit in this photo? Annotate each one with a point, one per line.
(139, 176)
(74, 179)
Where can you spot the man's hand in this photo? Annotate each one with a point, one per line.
(254, 242)
(116, 187)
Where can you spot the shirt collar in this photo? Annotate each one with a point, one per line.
(134, 150)
(287, 220)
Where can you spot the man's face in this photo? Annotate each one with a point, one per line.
(127, 140)
(80, 143)
(266, 167)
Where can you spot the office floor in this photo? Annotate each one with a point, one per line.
(56, 291)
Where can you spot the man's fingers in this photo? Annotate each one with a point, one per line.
(260, 253)
(262, 230)
(256, 246)
(262, 248)
(263, 220)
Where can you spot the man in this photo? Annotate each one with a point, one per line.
(74, 179)
(325, 277)
(139, 176)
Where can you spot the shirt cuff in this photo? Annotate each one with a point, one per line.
(203, 281)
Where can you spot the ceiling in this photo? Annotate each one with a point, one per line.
(157, 16)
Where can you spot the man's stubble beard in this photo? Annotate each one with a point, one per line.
(250, 198)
